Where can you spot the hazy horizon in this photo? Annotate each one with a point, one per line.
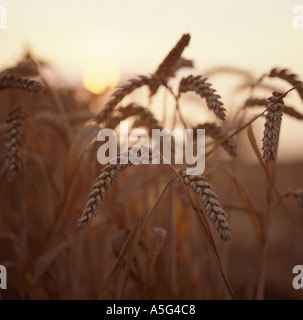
(120, 38)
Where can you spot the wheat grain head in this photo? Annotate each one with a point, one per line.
(13, 129)
(172, 62)
(104, 181)
(122, 92)
(291, 78)
(253, 102)
(145, 117)
(199, 85)
(217, 133)
(210, 202)
(13, 81)
(272, 127)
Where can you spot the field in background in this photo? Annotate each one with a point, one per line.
(49, 169)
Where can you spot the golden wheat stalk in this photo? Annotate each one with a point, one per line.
(171, 59)
(210, 202)
(202, 88)
(121, 93)
(272, 127)
(26, 67)
(181, 63)
(13, 81)
(13, 129)
(149, 123)
(101, 185)
(291, 78)
(217, 133)
(146, 117)
(172, 62)
(103, 182)
(254, 102)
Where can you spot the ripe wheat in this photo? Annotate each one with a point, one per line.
(121, 93)
(210, 202)
(172, 62)
(199, 85)
(263, 102)
(216, 132)
(272, 127)
(289, 77)
(146, 117)
(102, 184)
(14, 81)
(27, 67)
(13, 143)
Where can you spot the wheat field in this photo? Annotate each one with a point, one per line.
(71, 228)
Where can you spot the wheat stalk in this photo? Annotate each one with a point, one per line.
(146, 117)
(172, 62)
(199, 85)
(253, 102)
(272, 127)
(104, 180)
(217, 133)
(292, 112)
(173, 56)
(122, 92)
(101, 185)
(13, 81)
(289, 77)
(14, 125)
(180, 63)
(27, 67)
(210, 202)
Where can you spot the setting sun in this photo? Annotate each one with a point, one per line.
(100, 75)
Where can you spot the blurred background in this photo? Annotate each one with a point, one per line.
(134, 35)
(85, 49)
(101, 43)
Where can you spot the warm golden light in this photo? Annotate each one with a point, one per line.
(100, 75)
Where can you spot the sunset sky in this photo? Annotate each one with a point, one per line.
(127, 37)
(136, 34)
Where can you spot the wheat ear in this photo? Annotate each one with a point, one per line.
(103, 182)
(272, 127)
(199, 85)
(14, 125)
(172, 62)
(210, 202)
(291, 78)
(13, 81)
(121, 93)
(217, 133)
(145, 117)
(26, 67)
(253, 102)
(173, 56)
(101, 185)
